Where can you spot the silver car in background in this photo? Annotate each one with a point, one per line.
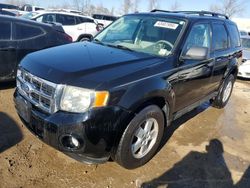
(244, 69)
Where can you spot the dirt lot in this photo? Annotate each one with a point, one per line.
(206, 148)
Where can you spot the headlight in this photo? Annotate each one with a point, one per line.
(78, 100)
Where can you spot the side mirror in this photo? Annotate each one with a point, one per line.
(196, 53)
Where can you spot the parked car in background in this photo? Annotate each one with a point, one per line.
(8, 13)
(19, 37)
(29, 15)
(8, 6)
(244, 32)
(31, 8)
(244, 69)
(105, 20)
(79, 27)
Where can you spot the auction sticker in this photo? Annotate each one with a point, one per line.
(167, 25)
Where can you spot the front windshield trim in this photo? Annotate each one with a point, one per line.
(143, 17)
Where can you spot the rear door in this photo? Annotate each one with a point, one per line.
(8, 51)
(221, 52)
(29, 38)
(194, 75)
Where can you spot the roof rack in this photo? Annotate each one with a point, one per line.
(200, 13)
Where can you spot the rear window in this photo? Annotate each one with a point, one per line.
(5, 31)
(234, 35)
(220, 37)
(27, 31)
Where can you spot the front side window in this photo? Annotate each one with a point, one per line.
(46, 18)
(26, 32)
(5, 31)
(220, 37)
(147, 34)
(199, 36)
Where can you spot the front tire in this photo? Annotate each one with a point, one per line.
(224, 94)
(141, 138)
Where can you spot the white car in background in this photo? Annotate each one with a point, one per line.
(104, 20)
(79, 27)
(244, 69)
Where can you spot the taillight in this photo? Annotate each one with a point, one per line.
(67, 37)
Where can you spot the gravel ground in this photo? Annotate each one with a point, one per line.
(207, 147)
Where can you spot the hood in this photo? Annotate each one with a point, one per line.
(85, 64)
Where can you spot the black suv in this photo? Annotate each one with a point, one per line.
(18, 37)
(115, 96)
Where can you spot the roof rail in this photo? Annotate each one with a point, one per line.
(200, 13)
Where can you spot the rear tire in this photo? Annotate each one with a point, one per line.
(224, 94)
(141, 138)
(83, 39)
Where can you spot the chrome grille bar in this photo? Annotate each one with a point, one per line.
(38, 91)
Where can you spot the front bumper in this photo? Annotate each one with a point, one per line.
(97, 130)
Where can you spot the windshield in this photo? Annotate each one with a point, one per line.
(245, 43)
(152, 35)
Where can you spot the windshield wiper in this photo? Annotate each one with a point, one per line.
(98, 42)
(122, 47)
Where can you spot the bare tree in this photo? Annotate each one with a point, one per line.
(229, 7)
(175, 6)
(135, 5)
(153, 4)
(126, 6)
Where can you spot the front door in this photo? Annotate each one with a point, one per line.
(194, 75)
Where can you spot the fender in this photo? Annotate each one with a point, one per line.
(141, 92)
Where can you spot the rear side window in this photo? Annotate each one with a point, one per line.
(84, 20)
(5, 31)
(27, 31)
(96, 16)
(220, 37)
(66, 19)
(234, 35)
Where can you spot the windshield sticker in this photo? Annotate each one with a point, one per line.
(167, 25)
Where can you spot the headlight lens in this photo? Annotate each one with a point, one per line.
(78, 100)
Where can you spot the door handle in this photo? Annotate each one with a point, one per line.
(79, 28)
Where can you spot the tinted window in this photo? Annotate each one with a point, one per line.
(234, 35)
(5, 31)
(66, 19)
(46, 18)
(26, 31)
(84, 20)
(199, 36)
(96, 16)
(220, 37)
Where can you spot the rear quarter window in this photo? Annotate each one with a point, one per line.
(24, 31)
(5, 31)
(234, 35)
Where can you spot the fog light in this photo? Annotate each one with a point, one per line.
(70, 142)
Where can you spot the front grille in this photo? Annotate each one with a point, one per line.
(38, 91)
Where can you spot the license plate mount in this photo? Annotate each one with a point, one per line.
(23, 108)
